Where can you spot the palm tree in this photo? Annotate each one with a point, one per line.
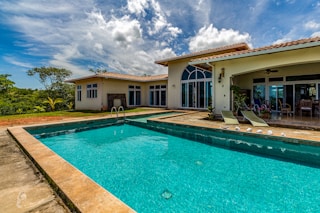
(53, 102)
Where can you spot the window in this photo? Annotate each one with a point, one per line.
(92, 90)
(79, 93)
(196, 86)
(303, 77)
(259, 80)
(275, 79)
(134, 95)
(158, 95)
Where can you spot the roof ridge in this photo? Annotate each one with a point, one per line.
(291, 43)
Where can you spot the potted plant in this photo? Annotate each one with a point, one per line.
(238, 99)
(264, 111)
(211, 114)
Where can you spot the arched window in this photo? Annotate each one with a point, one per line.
(196, 86)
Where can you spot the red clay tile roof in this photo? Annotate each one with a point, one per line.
(261, 50)
(126, 77)
(113, 75)
(214, 51)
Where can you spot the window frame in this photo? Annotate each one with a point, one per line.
(92, 90)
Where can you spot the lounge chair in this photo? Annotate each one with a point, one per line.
(253, 118)
(229, 118)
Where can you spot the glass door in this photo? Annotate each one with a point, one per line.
(283, 93)
(275, 93)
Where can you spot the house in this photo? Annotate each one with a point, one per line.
(287, 72)
(97, 92)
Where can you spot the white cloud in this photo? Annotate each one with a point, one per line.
(124, 31)
(77, 71)
(312, 25)
(15, 62)
(128, 36)
(316, 34)
(211, 37)
(138, 7)
(160, 22)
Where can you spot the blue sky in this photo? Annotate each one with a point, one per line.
(127, 36)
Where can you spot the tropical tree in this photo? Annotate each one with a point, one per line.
(52, 102)
(5, 83)
(51, 78)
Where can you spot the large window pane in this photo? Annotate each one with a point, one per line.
(209, 93)
(138, 98)
(151, 98)
(157, 97)
(191, 97)
(131, 97)
(259, 94)
(184, 95)
(163, 98)
(201, 95)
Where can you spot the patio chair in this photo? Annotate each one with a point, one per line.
(229, 118)
(253, 118)
(306, 105)
(284, 108)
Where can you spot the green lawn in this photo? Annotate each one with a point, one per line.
(63, 114)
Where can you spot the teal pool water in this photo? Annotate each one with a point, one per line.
(155, 172)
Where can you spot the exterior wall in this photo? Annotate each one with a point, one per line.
(111, 86)
(114, 86)
(175, 71)
(289, 62)
(89, 103)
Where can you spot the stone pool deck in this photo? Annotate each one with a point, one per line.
(22, 186)
(24, 189)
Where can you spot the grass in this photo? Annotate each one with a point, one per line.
(62, 114)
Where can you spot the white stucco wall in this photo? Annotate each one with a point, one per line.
(175, 70)
(89, 103)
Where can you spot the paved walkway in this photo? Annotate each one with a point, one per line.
(22, 187)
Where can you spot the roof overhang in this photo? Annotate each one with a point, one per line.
(209, 52)
(122, 77)
(254, 52)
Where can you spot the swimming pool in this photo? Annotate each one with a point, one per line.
(152, 172)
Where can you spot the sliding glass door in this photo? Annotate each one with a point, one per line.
(283, 93)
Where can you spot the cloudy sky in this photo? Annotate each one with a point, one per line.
(127, 36)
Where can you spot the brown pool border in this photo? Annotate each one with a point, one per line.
(79, 192)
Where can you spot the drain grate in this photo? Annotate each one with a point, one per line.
(166, 194)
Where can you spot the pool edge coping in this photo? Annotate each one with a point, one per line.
(79, 192)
